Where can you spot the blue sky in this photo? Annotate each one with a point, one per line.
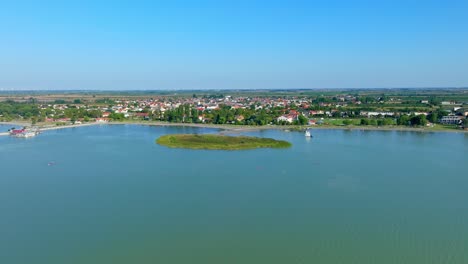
(232, 44)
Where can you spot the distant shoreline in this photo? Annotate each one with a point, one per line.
(238, 128)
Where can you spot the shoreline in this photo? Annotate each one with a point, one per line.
(238, 129)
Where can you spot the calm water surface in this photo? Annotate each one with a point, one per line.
(4, 128)
(109, 194)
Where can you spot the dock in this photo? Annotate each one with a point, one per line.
(45, 128)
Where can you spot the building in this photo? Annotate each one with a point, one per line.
(240, 118)
(451, 120)
(102, 120)
(317, 112)
(369, 114)
(448, 103)
(287, 118)
(142, 115)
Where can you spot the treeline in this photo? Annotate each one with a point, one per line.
(376, 122)
(224, 115)
(402, 120)
(10, 110)
(79, 113)
(413, 120)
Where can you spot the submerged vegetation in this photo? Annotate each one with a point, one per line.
(219, 142)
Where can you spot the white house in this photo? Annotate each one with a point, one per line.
(287, 118)
(455, 120)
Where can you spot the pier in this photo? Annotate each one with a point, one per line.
(45, 128)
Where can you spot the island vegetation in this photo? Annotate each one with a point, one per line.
(219, 142)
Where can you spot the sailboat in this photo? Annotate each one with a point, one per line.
(307, 133)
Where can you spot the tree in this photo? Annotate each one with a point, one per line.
(435, 101)
(403, 120)
(60, 101)
(11, 109)
(302, 120)
(433, 117)
(388, 121)
(336, 114)
(117, 116)
(368, 99)
(347, 122)
(419, 120)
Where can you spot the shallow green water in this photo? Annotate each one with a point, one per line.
(111, 195)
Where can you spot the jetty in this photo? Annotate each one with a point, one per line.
(48, 127)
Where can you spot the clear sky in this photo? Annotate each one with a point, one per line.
(232, 44)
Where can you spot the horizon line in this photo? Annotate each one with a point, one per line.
(232, 89)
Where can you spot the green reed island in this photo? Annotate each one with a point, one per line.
(219, 142)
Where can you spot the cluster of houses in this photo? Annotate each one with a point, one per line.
(292, 108)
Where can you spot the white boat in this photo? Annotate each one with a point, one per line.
(24, 133)
(27, 134)
(307, 133)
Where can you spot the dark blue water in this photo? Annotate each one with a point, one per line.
(109, 194)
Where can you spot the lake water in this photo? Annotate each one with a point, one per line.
(109, 194)
(4, 128)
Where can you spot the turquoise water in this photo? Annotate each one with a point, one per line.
(109, 194)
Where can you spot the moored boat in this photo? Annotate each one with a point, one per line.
(23, 133)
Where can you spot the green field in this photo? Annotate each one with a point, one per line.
(219, 142)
